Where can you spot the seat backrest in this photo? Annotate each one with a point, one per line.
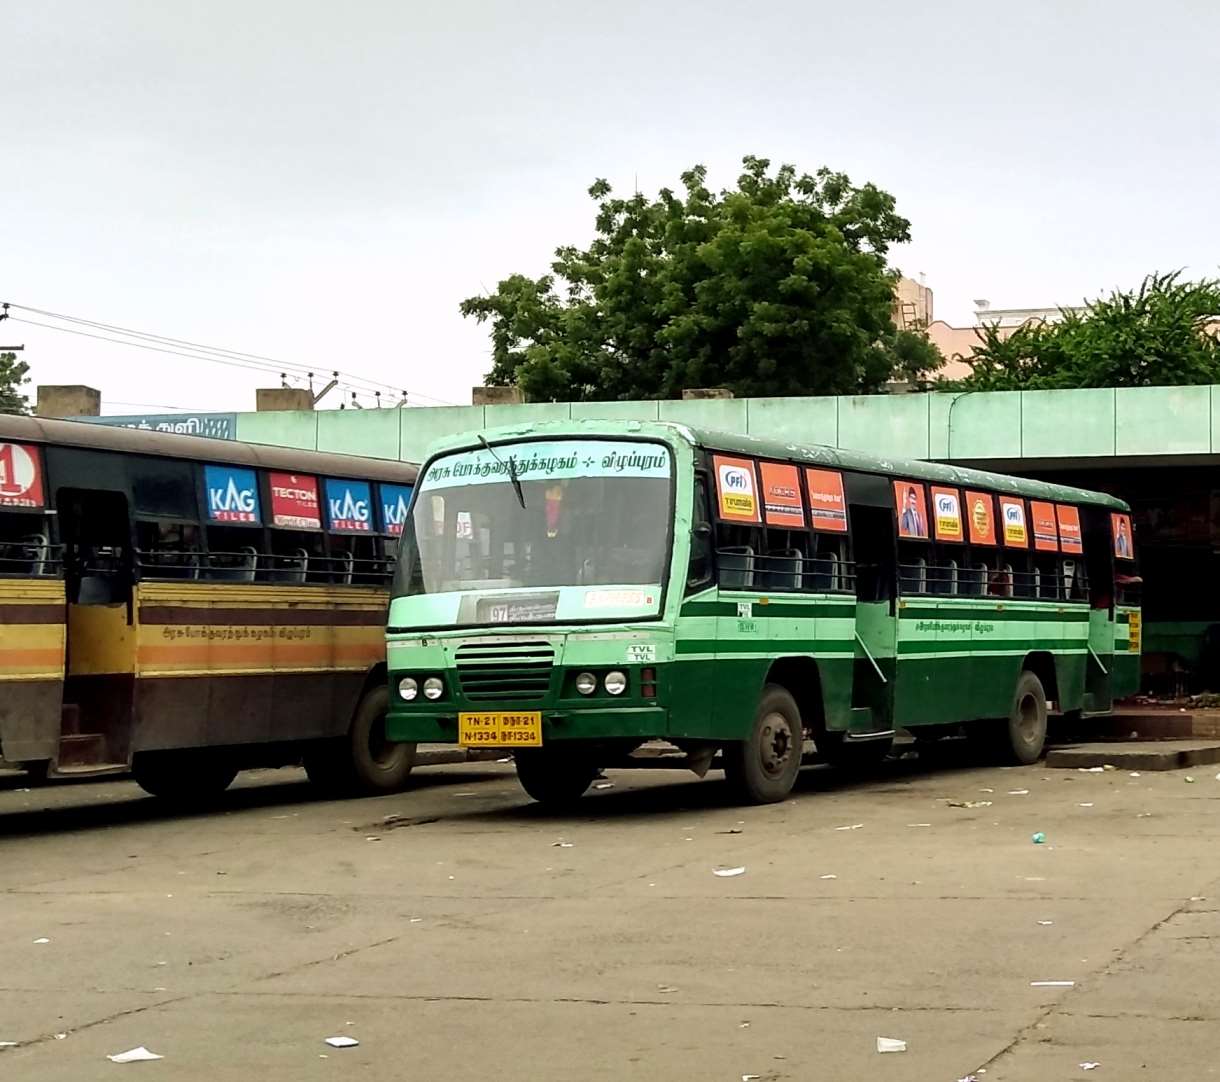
(37, 547)
(822, 571)
(736, 567)
(784, 569)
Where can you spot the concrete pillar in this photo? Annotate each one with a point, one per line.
(68, 400)
(270, 399)
(699, 394)
(496, 396)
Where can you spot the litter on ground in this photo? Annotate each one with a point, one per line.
(1089, 1065)
(726, 873)
(890, 1044)
(1088, 805)
(1018, 792)
(43, 939)
(854, 826)
(1052, 984)
(604, 785)
(1038, 838)
(1046, 923)
(562, 845)
(134, 1055)
(342, 1042)
(969, 803)
(829, 877)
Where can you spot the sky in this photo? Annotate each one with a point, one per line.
(323, 184)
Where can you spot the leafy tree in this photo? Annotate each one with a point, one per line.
(12, 378)
(1161, 334)
(778, 286)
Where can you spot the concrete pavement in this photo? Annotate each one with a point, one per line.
(449, 931)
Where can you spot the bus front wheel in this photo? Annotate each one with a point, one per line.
(762, 769)
(363, 761)
(554, 776)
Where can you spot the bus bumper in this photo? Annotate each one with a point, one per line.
(634, 722)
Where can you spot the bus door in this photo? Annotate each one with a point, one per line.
(876, 629)
(1099, 564)
(96, 532)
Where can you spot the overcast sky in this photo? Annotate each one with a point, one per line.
(324, 182)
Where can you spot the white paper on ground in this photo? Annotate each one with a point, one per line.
(725, 873)
(42, 940)
(342, 1042)
(1052, 984)
(854, 826)
(1089, 1065)
(890, 1044)
(8, 1044)
(134, 1055)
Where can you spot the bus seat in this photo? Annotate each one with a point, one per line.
(825, 573)
(294, 571)
(785, 569)
(737, 572)
(347, 563)
(37, 548)
(1001, 582)
(914, 576)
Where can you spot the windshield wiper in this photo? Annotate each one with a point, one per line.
(510, 466)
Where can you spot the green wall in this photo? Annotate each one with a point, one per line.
(1095, 423)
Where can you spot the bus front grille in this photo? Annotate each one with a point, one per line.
(505, 672)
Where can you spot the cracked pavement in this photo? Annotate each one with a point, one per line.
(447, 931)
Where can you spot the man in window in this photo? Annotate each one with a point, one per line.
(1122, 542)
(911, 523)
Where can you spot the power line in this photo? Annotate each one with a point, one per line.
(182, 347)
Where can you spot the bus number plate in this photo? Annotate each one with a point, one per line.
(498, 730)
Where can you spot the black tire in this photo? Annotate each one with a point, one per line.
(1025, 731)
(762, 769)
(193, 776)
(554, 777)
(363, 762)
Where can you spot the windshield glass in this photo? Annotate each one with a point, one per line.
(591, 542)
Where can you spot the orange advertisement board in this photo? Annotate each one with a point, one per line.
(736, 489)
(912, 510)
(782, 503)
(980, 514)
(1070, 539)
(947, 514)
(1046, 533)
(827, 507)
(1016, 530)
(1124, 539)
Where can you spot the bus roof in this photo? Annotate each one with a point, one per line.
(228, 452)
(810, 453)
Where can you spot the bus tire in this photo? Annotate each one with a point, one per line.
(554, 777)
(762, 769)
(192, 776)
(1025, 734)
(363, 762)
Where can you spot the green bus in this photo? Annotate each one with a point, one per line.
(573, 591)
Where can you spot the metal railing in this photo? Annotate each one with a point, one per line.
(247, 564)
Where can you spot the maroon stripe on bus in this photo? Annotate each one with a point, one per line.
(267, 617)
(25, 613)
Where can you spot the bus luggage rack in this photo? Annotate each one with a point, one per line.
(250, 565)
(494, 672)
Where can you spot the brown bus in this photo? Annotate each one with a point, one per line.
(185, 608)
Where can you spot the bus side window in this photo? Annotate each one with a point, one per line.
(699, 571)
(736, 554)
(913, 567)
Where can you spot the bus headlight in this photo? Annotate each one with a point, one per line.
(586, 683)
(408, 688)
(433, 688)
(616, 682)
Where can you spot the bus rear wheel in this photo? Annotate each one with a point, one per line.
(554, 777)
(363, 761)
(762, 769)
(1025, 735)
(192, 776)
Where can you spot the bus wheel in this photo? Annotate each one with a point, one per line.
(363, 761)
(1026, 732)
(183, 777)
(554, 776)
(762, 769)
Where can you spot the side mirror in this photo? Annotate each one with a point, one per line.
(702, 529)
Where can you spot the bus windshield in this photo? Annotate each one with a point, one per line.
(592, 539)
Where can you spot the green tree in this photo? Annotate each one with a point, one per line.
(13, 376)
(1161, 334)
(778, 286)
